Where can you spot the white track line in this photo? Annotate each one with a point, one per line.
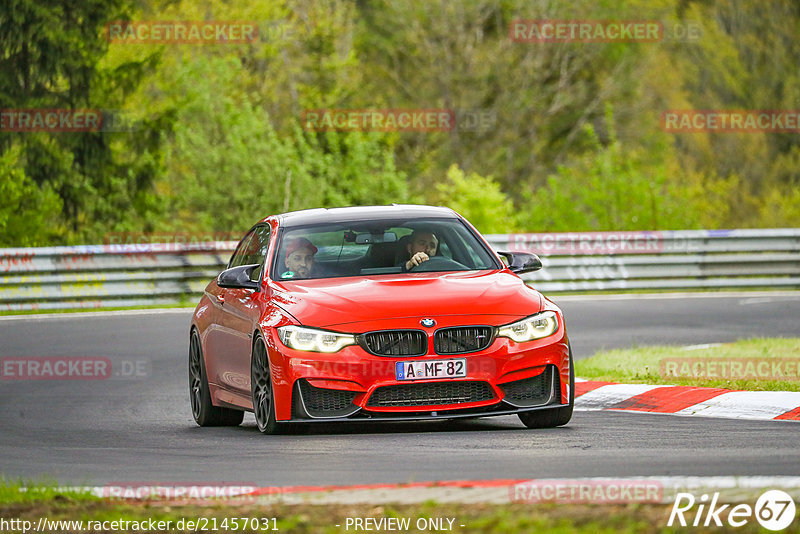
(608, 396)
(746, 405)
(754, 405)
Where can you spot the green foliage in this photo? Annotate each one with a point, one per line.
(53, 55)
(779, 207)
(478, 199)
(228, 167)
(609, 188)
(35, 493)
(217, 141)
(27, 211)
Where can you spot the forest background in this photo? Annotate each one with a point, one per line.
(210, 137)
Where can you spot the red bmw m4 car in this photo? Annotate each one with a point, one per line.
(386, 313)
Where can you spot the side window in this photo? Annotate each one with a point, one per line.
(464, 251)
(256, 251)
(239, 255)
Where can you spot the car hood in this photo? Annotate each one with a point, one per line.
(337, 301)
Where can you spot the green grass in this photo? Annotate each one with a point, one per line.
(644, 365)
(30, 501)
(509, 518)
(28, 492)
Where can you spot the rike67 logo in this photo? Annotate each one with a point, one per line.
(774, 510)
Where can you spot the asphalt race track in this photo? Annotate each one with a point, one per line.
(138, 428)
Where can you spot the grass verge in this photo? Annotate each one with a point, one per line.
(762, 364)
(20, 493)
(308, 518)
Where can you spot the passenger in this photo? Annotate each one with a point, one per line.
(300, 259)
(422, 245)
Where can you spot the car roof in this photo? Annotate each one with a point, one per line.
(362, 213)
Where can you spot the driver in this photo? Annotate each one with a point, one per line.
(421, 247)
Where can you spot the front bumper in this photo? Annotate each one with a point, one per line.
(305, 411)
(366, 417)
(354, 385)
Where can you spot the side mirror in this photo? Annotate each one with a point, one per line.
(239, 277)
(522, 262)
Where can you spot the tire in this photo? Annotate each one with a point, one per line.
(203, 411)
(557, 416)
(262, 391)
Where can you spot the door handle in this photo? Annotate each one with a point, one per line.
(220, 298)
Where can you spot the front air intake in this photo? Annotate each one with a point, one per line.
(431, 394)
(534, 391)
(323, 402)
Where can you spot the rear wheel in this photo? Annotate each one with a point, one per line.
(203, 411)
(261, 388)
(556, 416)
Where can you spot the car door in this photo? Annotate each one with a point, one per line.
(216, 338)
(239, 314)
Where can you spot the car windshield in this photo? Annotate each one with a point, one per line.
(379, 247)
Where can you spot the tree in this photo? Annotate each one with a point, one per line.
(228, 166)
(27, 209)
(478, 199)
(51, 58)
(611, 188)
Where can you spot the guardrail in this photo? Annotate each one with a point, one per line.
(94, 276)
(670, 260)
(97, 276)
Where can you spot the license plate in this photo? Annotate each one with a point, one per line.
(417, 370)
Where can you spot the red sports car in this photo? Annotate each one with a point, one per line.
(386, 313)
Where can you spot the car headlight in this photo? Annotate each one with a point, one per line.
(534, 327)
(314, 340)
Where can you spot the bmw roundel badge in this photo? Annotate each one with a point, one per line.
(427, 323)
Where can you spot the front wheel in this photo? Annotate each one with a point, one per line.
(203, 411)
(261, 388)
(556, 416)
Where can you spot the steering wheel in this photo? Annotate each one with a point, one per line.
(438, 263)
